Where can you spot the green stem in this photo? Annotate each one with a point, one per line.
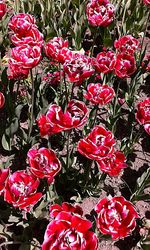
(66, 91)
(32, 106)
(68, 154)
(95, 117)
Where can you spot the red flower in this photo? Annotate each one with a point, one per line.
(21, 190)
(100, 12)
(147, 2)
(56, 121)
(14, 71)
(104, 62)
(143, 114)
(114, 164)
(3, 177)
(98, 144)
(66, 207)
(124, 65)
(2, 100)
(53, 78)
(22, 23)
(69, 232)
(126, 44)
(44, 125)
(3, 8)
(99, 94)
(22, 59)
(44, 163)
(33, 37)
(78, 68)
(57, 49)
(116, 216)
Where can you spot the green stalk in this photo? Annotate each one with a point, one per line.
(32, 106)
(68, 154)
(95, 117)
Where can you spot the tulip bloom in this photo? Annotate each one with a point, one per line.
(99, 94)
(21, 190)
(116, 217)
(78, 68)
(3, 8)
(98, 144)
(100, 13)
(66, 207)
(114, 164)
(43, 163)
(56, 120)
(143, 114)
(127, 44)
(124, 65)
(104, 62)
(57, 49)
(69, 231)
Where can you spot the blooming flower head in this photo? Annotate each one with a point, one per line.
(78, 68)
(99, 94)
(57, 49)
(33, 37)
(43, 163)
(100, 12)
(114, 164)
(21, 190)
(147, 2)
(66, 207)
(124, 65)
(116, 217)
(127, 44)
(3, 8)
(2, 100)
(22, 23)
(69, 231)
(98, 144)
(22, 59)
(103, 62)
(143, 114)
(4, 173)
(56, 120)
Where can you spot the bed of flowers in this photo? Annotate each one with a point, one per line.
(74, 125)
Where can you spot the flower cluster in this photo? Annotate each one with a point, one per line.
(143, 114)
(116, 217)
(68, 230)
(29, 41)
(98, 145)
(100, 12)
(56, 120)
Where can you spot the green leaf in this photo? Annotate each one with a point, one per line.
(142, 183)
